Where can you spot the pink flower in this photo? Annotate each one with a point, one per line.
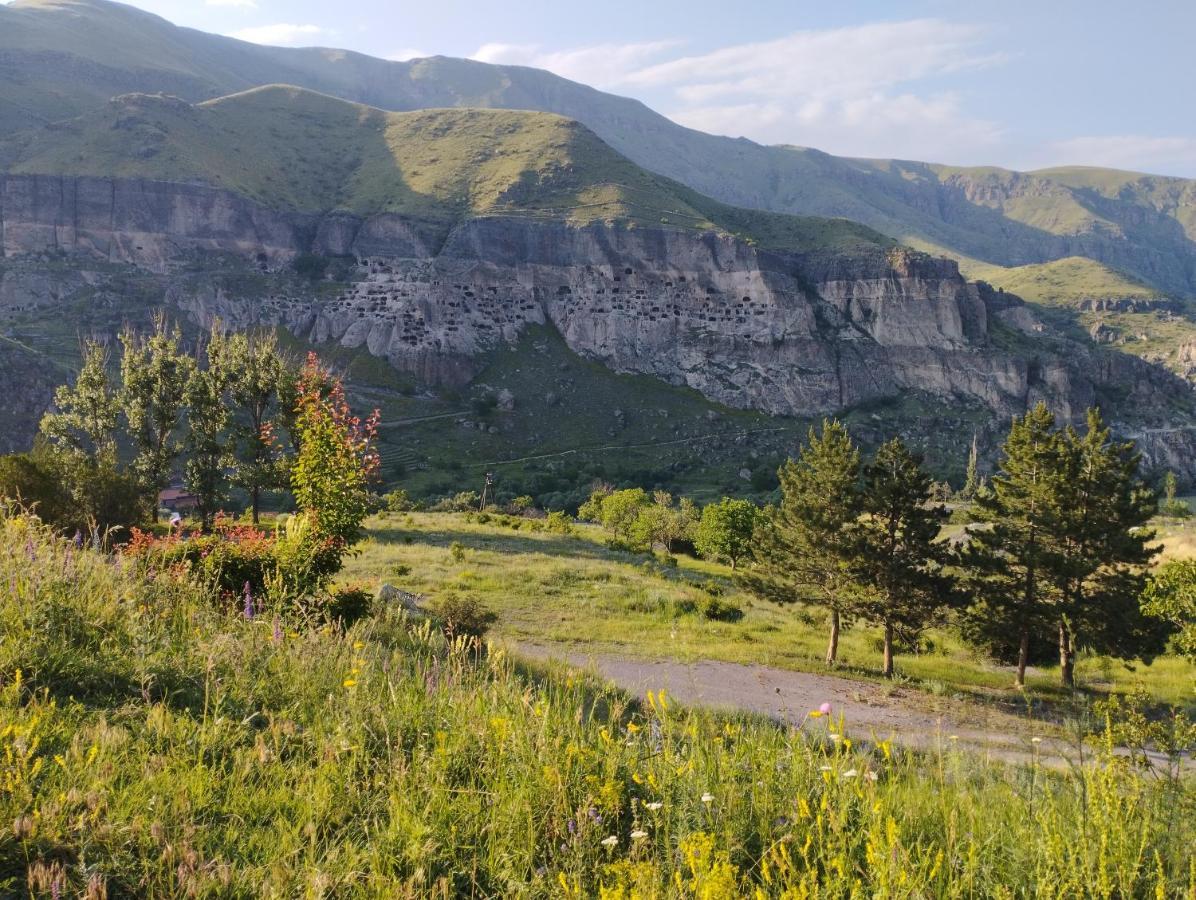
(825, 709)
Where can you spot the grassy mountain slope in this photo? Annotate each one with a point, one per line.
(1061, 281)
(290, 147)
(61, 57)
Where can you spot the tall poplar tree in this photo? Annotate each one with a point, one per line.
(81, 435)
(897, 555)
(207, 440)
(802, 548)
(256, 372)
(155, 372)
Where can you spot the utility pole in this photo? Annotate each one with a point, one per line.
(486, 491)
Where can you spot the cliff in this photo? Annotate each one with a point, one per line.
(795, 333)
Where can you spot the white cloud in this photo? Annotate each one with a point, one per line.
(859, 91)
(407, 53)
(1137, 152)
(238, 4)
(600, 65)
(282, 34)
(863, 90)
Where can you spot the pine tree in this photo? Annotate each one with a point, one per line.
(1103, 548)
(897, 556)
(256, 372)
(1064, 552)
(154, 374)
(1010, 556)
(207, 444)
(802, 549)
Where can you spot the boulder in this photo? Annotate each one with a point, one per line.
(390, 594)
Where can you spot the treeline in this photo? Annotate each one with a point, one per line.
(1056, 554)
(221, 417)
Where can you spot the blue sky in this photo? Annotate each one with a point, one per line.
(1014, 83)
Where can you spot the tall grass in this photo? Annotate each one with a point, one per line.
(154, 745)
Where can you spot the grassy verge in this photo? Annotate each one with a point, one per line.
(572, 590)
(154, 744)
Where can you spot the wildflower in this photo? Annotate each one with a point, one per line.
(249, 610)
(824, 769)
(954, 737)
(708, 798)
(349, 682)
(632, 727)
(609, 841)
(1035, 740)
(850, 773)
(654, 805)
(872, 776)
(825, 709)
(277, 631)
(837, 738)
(638, 835)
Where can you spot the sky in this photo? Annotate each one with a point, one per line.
(1013, 83)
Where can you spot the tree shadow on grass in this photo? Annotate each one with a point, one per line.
(517, 544)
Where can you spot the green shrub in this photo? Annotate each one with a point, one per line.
(558, 523)
(718, 610)
(464, 616)
(457, 551)
(398, 501)
(347, 604)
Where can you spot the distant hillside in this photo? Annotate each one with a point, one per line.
(59, 58)
(1062, 281)
(292, 148)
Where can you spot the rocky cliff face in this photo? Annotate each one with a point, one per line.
(788, 333)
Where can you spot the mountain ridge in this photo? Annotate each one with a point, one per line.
(1144, 228)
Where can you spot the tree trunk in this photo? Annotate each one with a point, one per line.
(255, 495)
(888, 669)
(1066, 662)
(832, 649)
(1023, 656)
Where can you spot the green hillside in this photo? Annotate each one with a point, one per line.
(59, 58)
(1062, 281)
(294, 148)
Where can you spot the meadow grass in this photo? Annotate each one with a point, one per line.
(155, 744)
(571, 589)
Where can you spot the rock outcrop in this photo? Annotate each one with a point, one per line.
(800, 332)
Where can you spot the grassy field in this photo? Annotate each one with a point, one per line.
(571, 590)
(155, 744)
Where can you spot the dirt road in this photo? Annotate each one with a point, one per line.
(871, 711)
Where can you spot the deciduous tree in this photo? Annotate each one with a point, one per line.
(725, 530)
(155, 372)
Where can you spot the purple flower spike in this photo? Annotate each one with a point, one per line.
(249, 610)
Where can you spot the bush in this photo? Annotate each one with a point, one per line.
(464, 616)
(558, 523)
(465, 501)
(718, 610)
(398, 501)
(287, 569)
(457, 551)
(347, 604)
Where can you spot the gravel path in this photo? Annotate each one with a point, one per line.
(911, 718)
